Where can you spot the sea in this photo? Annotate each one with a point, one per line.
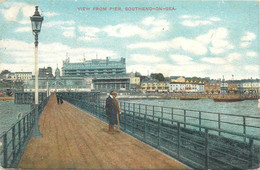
(9, 114)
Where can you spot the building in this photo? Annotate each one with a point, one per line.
(18, 76)
(23, 76)
(212, 87)
(57, 72)
(118, 82)
(43, 72)
(250, 86)
(177, 87)
(94, 67)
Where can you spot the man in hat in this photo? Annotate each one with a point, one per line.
(111, 111)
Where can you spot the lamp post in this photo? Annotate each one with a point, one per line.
(36, 21)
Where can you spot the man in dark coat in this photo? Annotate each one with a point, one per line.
(111, 111)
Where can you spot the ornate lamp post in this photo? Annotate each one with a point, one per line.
(36, 21)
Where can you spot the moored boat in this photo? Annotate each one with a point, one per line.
(228, 99)
(189, 98)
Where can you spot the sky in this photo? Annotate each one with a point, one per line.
(177, 38)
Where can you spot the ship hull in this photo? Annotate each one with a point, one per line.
(228, 100)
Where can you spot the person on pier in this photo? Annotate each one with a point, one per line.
(118, 112)
(111, 111)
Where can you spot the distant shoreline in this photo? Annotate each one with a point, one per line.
(5, 98)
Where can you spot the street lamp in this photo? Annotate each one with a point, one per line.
(36, 21)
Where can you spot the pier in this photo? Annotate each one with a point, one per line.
(72, 138)
(75, 135)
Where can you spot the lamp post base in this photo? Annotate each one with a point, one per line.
(36, 132)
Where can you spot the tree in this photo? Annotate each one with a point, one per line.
(137, 74)
(158, 76)
(5, 72)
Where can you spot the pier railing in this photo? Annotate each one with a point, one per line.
(197, 145)
(14, 140)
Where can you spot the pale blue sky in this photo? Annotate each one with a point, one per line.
(198, 38)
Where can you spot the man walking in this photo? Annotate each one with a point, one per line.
(118, 112)
(111, 111)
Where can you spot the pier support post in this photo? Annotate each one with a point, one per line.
(36, 131)
(5, 150)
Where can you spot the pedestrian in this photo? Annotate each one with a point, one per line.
(58, 99)
(61, 100)
(111, 111)
(118, 113)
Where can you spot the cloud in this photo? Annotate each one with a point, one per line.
(214, 19)
(23, 29)
(214, 60)
(11, 14)
(181, 59)
(50, 14)
(215, 40)
(58, 23)
(151, 45)
(189, 45)
(90, 33)
(248, 37)
(190, 17)
(251, 54)
(191, 23)
(141, 58)
(233, 56)
(252, 68)
(68, 31)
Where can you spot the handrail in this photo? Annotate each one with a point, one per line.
(17, 136)
(171, 136)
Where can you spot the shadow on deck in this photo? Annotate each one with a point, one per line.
(71, 138)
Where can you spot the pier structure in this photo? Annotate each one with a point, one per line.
(75, 135)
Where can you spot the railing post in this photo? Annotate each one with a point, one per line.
(24, 134)
(172, 115)
(206, 149)
(200, 120)
(13, 141)
(244, 127)
(133, 124)
(139, 110)
(162, 113)
(125, 116)
(251, 149)
(5, 150)
(145, 127)
(219, 124)
(153, 112)
(159, 132)
(19, 133)
(184, 118)
(179, 138)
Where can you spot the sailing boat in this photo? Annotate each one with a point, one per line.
(226, 99)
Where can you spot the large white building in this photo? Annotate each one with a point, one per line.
(19, 76)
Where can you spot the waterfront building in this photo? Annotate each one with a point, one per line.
(179, 79)
(177, 87)
(43, 72)
(18, 76)
(233, 87)
(23, 76)
(152, 86)
(94, 67)
(212, 87)
(134, 80)
(250, 86)
(106, 83)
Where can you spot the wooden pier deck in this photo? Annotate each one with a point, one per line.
(71, 138)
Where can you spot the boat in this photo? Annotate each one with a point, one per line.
(189, 98)
(228, 99)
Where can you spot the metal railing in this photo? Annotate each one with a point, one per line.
(236, 123)
(15, 139)
(197, 145)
